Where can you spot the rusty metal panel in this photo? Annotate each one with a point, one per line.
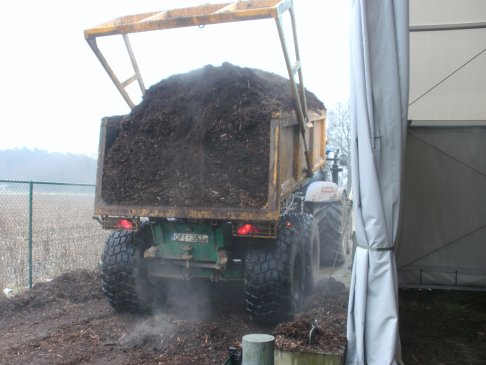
(287, 154)
(110, 128)
(191, 16)
(102, 208)
(317, 140)
(273, 203)
(292, 161)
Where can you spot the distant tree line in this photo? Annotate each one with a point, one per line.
(40, 165)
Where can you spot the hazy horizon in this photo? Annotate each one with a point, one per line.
(55, 92)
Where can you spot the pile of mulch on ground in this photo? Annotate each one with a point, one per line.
(321, 328)
(199, 139)
(77, 286)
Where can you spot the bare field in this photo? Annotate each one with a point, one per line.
(64, 235)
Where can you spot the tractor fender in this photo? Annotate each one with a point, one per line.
(324, 191)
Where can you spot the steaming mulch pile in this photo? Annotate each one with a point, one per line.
(322, 326)
(199, 139)
(68, 321)
(73, 287)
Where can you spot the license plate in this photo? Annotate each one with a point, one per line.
(190, 237)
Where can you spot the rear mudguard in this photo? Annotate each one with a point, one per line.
(324, 191)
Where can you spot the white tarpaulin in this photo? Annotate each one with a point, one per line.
(443, 224)
(379, 98)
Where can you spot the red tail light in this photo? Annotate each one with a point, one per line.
(247, 229)
(124, 224)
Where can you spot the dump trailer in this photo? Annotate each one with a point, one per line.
(275, 248)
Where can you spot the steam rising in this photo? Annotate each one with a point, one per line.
(189, 306)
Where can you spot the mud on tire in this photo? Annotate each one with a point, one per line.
(123, 273)
(275, 275)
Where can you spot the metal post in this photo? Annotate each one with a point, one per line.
(31, 191)
(258, 349)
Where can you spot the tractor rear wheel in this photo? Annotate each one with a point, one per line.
(335, 230)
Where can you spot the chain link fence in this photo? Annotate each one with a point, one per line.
(46, 229)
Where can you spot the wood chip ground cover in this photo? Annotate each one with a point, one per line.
(68, 321)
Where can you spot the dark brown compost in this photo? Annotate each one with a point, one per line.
(199, 139)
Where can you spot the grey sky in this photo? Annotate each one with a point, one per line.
(54, 91)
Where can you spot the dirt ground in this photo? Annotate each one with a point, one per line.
(443, 327)
(68, 321)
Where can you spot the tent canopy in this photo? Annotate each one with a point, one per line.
(443, 227)
(442, 240)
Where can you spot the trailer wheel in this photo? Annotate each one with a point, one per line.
(335, 231)
(123, 273)
(275, 276)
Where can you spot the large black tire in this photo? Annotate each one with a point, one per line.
(275, 276)
(307, 225)
(123, 272)
(335, 229)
